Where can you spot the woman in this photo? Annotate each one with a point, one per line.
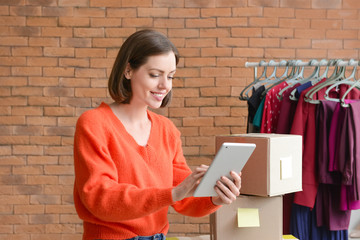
(129, 164)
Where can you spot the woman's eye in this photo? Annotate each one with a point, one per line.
(170, 77)
(154, 75)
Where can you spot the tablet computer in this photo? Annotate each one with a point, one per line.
(230, 157)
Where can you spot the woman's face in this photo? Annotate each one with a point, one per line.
(151, 82)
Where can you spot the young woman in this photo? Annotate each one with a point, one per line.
(129, 164)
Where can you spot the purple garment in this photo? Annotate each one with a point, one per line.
(355, 117)
(328, 212)
(347, 164)
(287, 112)
(324, 115)
(337, 122)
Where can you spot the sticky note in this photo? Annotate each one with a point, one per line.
(286, 167)
(248, 217)
(289, 237)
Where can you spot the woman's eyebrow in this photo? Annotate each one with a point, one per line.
(156, 69)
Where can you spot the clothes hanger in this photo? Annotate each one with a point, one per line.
(296, 81)
(314, 77)
(338, 75)
(247, 89)
(277, 80)
(342, 100)
(349, 81)
(293, 79)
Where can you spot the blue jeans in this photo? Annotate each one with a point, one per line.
(158, 236)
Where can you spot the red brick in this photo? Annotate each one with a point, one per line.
(123, 12)
(42, 61)
(58, 71)
(342, 14)
(41, 121)
(57, 11)
(105, 22)
(43, 101)
(58, 111)
(88, 92)
(26, 111)
(233, 42)
(310, 13)
(200, 3)
(142, 22)
(232, 22)
(13, 41)
(58, 52)
(215, 111)
(43, 81)
(12, 21)
(10, 61)
(327, 44)
(26, 71)
(246, 32)
(153, 12)
(311, 53)
(341, 34)
(280, 53)
(44, 41)
(89, 12)
(352, 4)
(79, 3)
(264, 3)
(74, 22)
(310, 33)
(215, 91)
(201, 23)
(107, 42)
(57, 32)
(214, 32)
(343, 53)
(41, 21)
(295, 43)
(326, 24)
(42, 2)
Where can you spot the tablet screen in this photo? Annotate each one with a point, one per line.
(230, 157)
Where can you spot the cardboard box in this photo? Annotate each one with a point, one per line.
(274, 168)
(225, 222)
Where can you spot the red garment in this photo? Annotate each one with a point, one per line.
(123, 190)
(272, 106)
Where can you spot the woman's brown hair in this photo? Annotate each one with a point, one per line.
(136, 50)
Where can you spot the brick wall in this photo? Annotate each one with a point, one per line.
(56, 56)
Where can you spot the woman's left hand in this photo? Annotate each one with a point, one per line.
(227, 189)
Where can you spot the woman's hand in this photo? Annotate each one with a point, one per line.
(187, 187)
(227, 189)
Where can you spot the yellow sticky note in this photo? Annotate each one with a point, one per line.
(289, 237)
(248, 217)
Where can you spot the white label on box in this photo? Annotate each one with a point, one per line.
(286, 167)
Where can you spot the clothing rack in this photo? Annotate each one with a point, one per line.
(300, 63)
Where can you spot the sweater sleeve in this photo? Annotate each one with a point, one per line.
(192, 206)
(97, 191)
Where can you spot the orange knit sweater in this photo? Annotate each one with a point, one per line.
(121, 189)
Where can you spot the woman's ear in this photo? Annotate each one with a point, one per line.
(128, 71)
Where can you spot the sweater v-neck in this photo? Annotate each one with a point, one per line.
(118, 122)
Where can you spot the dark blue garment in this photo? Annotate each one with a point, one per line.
(301, 88)
(303, 226)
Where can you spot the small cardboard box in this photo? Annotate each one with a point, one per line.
(263, 219)
(274, 168)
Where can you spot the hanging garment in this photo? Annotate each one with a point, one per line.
(253, 104)
(304, 227)
(271, 111)
(328, 213)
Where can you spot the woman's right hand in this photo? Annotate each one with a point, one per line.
(187, 187)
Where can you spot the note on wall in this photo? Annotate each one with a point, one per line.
(248, 217)
(286, 167)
